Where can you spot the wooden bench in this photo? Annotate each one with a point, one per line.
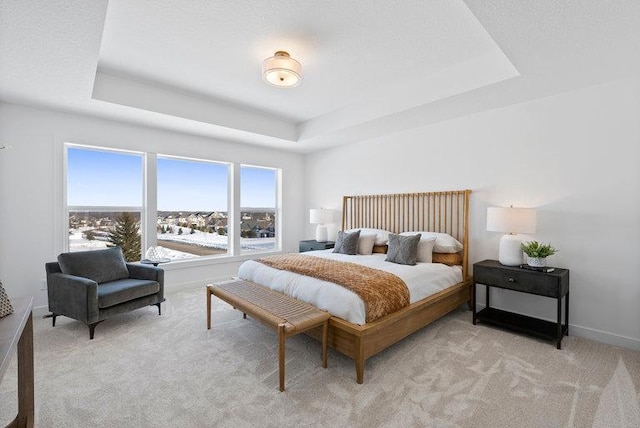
(286, 315)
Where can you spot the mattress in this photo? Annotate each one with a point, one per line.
(422, 280)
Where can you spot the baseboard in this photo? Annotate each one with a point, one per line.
(40, 311)
(184, 286)
(605, 337)
(591, 333)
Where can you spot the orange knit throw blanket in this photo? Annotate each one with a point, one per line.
(382, 292)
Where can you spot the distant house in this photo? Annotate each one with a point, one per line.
(170, 220)
(196, 220)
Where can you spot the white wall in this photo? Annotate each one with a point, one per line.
(31, 183)
(573, 156)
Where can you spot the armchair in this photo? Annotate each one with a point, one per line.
(91, 286)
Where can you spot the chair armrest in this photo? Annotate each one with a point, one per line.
(73, 296)
(152, 273)
(140, 271)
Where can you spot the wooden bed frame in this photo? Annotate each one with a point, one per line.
(446, 212)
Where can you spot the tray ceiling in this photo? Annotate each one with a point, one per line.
(369, 67)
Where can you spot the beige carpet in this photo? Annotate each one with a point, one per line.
(142, 370)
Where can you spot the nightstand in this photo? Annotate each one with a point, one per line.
(313, 245)
(553, 284)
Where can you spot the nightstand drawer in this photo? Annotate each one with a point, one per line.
(519, 280)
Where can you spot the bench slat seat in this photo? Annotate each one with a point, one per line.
(286, 315)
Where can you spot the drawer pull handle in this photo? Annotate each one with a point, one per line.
(511, 279)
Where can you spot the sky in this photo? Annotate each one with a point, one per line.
(103, 178)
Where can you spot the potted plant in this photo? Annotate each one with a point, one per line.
(537, 253)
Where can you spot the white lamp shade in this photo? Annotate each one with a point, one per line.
(320, 216)
(511, 220)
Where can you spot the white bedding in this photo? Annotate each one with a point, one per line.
(423, 279)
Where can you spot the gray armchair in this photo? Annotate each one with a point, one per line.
(91, 286)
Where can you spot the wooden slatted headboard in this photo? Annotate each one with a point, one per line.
(445, 212)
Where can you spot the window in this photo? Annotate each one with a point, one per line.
(192, 205)
(258, 209)
(192, 208)
(104, 200)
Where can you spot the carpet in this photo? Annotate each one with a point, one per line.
(145, 370)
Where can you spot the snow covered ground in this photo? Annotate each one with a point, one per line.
(197, 239)
(78, 243)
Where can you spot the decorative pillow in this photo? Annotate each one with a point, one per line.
(403, 249)
(347, 243)
(425, 248)
(382, 236)
(451, 259)
(98, 265)
(365, 244)
(445, 243)
(5, 304)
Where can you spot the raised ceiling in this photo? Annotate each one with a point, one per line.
(369, 67)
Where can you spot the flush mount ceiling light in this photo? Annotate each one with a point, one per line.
(281, 70)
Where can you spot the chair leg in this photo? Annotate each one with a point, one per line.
(92, 328)
(53, 320)
(159, 308)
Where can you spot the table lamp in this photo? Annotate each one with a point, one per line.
(321, 216)
(511, 221)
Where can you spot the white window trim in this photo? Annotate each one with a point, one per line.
(278, 209)
(100, 208)
(148, 215)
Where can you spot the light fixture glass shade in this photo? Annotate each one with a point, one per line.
(511, 221)
(281, 70)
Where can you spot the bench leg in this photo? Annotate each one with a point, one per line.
(208, 308)
(281, 339)
(325, 339)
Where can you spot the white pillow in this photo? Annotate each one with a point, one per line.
(365, 243)
(445, 243)
(425, 246)
(382, 236)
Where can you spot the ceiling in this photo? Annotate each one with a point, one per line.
(370, 68)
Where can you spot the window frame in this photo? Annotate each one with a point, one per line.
(277, 209)
(148, 211)
(153, 237)
(141, 210)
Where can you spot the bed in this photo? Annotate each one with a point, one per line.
(435, 288)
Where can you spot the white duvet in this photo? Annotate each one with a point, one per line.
(423, 279)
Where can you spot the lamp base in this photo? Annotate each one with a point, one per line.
(510, 253)
(321, 233)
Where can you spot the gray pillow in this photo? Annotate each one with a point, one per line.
(98, 265)
(403, 249)
(347, 243)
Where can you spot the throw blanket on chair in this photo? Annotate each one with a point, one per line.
(382, 292)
